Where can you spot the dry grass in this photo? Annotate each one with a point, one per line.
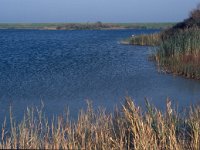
(129, 128)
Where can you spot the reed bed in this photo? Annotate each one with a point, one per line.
(178, 50)
(178, 47)
(180, 53)
(127, 128)
(146, 39)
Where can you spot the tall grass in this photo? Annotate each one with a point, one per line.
(126, 128)
(145, 39)
(180, 53)
(178, 47)
(178, 50)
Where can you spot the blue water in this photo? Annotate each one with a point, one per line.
(65, 68)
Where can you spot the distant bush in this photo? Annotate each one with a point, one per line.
(86, 26)
(192, 21)
(195, 14)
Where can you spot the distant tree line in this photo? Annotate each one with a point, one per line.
(81, 26)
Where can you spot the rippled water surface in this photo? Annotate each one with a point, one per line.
(64, 68)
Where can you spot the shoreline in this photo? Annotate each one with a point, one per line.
(84, 26)
(54, 29)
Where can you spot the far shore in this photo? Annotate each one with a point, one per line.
(84, 26)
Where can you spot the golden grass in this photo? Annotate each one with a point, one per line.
(126, 128)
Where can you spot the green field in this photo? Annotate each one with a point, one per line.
(147, 25)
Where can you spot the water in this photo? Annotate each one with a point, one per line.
(64, 68)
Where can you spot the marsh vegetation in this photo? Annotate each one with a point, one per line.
(180, 53)
(178, 49)
(129, 127)
(146, 40)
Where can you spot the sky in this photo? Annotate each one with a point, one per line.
(130, 11)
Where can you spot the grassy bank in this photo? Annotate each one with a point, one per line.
(179, 50)
(127, 128)
(145, 40)
(178, 47)
(180, 53)
(84, 26)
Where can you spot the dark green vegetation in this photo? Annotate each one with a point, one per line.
(85, 26)
(178, 47)
(127, 128)
(180, 53)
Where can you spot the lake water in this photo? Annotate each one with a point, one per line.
(64, 68)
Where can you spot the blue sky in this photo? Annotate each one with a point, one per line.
(29, 11)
